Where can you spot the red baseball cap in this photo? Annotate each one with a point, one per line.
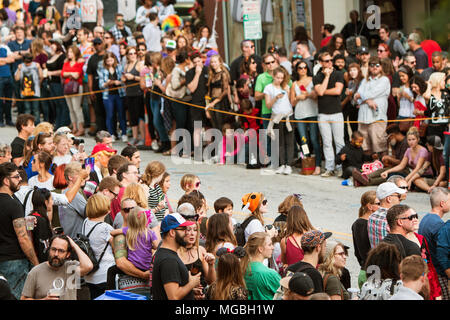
(102, 147)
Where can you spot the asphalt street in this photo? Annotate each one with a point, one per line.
(329, 205)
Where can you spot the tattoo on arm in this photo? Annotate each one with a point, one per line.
(120, 247)
(19, 227)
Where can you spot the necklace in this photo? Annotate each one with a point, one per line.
(189, 253)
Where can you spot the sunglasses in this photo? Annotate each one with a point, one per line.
(107, 38)
(197, 184)
(141, 49)
(115, 194)
(191, 218)
(127, 210)
(372, 65)
(131, 53)
(404, 187)
(326, 61)
(269, 62)
(411, 217)
(120, 20)
(381, 50)
(302, 68)
(264, 202)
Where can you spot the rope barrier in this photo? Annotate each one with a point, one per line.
(210, 109)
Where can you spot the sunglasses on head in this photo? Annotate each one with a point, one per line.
(411, 217)
(191, 218)
(198, 184)
(127, 210)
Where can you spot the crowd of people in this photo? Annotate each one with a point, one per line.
(71, 212)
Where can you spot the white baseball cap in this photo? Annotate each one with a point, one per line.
(388, 188)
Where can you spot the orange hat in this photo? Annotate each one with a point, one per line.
(251, 201)
(102, 147)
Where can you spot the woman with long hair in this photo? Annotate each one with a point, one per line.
(41, 56)
(219, 233)
(111, 75)
(350, 110)
(110, 44)
(229, 284)
(218, 86)
(304, 98)
(204, 39)
(134, 98)
(327, 33)
(405, 95)
(331, 269)
(261, 281)
(414, 158)
(72, 72)
(42, 164)
(389, 71)
(361, 243)
(42, 211)
(54, 67)
(300, 34)
(336, 46)
(296, 225)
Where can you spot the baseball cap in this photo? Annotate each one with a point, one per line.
(97, 41)
(362, 50)
(63, 130)
(388, 188)
(299, 283)
(102, 147)
(174, 220)
(171, 44)
(186, 210)
(331, 244)
(314, 238)
(436, 142)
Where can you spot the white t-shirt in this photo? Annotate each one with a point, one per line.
(254, 226)
(282, 105)
(306, 108)
(98, 239)
(34, 182)
(59, 160)
(127, 8)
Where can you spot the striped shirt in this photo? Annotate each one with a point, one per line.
(156, 195)
(377, 226)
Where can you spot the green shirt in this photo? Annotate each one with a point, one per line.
(262, 283)
(262, 81)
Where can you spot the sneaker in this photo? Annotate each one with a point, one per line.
(113, 138)
(287, 170)
(359, 177)
(280, 170)
(155, 145)
(327, 174)
(339, 173)
(140, 143)
(2, 125)
(124, 138)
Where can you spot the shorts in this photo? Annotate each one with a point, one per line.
(375, 137)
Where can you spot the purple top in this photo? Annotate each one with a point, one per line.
(412, 163)
(141, 257)
(11, 15)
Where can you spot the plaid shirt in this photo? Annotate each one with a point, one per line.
(118, 35)
(103, 77)
(378, 227)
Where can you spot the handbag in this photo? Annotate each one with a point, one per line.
(71, 87)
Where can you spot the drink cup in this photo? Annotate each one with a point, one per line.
(30, 221)
(54, 293)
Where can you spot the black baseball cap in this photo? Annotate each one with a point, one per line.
(299, 283)
(362, 50)
(97, 41)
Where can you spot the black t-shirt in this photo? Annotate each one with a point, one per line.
(405, 247)
(329, 104)
(310, 271)
(92, 67)
(361, 240)
(235, 68)
(42, 234)
(198, 96)
(168, 267)
(9, 244)
(56, 65)
(17, 146)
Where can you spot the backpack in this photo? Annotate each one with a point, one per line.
(379, 290)
(83, 242)
(239, 230)
(27, 84)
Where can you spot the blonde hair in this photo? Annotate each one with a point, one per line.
(37, 47)
(413, 131)
(154, 169)
(43, 127)
(187, 179)
(137, 227)
(328, 265)
(255, 241)
(97, 206)
(57, 139)
(72, 169)
(136, 192)
(436, 78)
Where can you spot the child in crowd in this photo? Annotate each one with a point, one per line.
(156, 199)
(247, 108)
(277, 99)
(230, 146)
(165, 186)
(225, 205)
(189, 183)
(139, 238)
(352, 155)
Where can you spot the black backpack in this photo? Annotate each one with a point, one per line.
(239, 230)
(83, 242)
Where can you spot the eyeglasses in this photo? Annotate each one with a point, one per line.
(15, 177)
(373, 65)
(411, 217)
(115, 194)
(264, 202)
(326, 61)
(59, 251)
(127, 210)
(180, 229)
(131, 53)
(269, 62)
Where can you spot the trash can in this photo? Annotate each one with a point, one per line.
(120, 295)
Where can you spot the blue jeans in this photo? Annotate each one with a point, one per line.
(446, 152)
(45, 93)
(180, 113)
(313, 129)
(6, 90)
(113, 102)
(32, 107)
(61, 110)
(15, 271)
(155, 105)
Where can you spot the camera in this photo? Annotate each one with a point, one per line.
(77, 141)
(270, 226)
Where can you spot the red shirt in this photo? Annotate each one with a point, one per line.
(77, 67)
(430, 46)
(325, 41)
(115, 204)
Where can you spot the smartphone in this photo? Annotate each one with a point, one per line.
(81, 148)
(89, 163)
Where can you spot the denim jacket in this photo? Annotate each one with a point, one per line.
(103, 76)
